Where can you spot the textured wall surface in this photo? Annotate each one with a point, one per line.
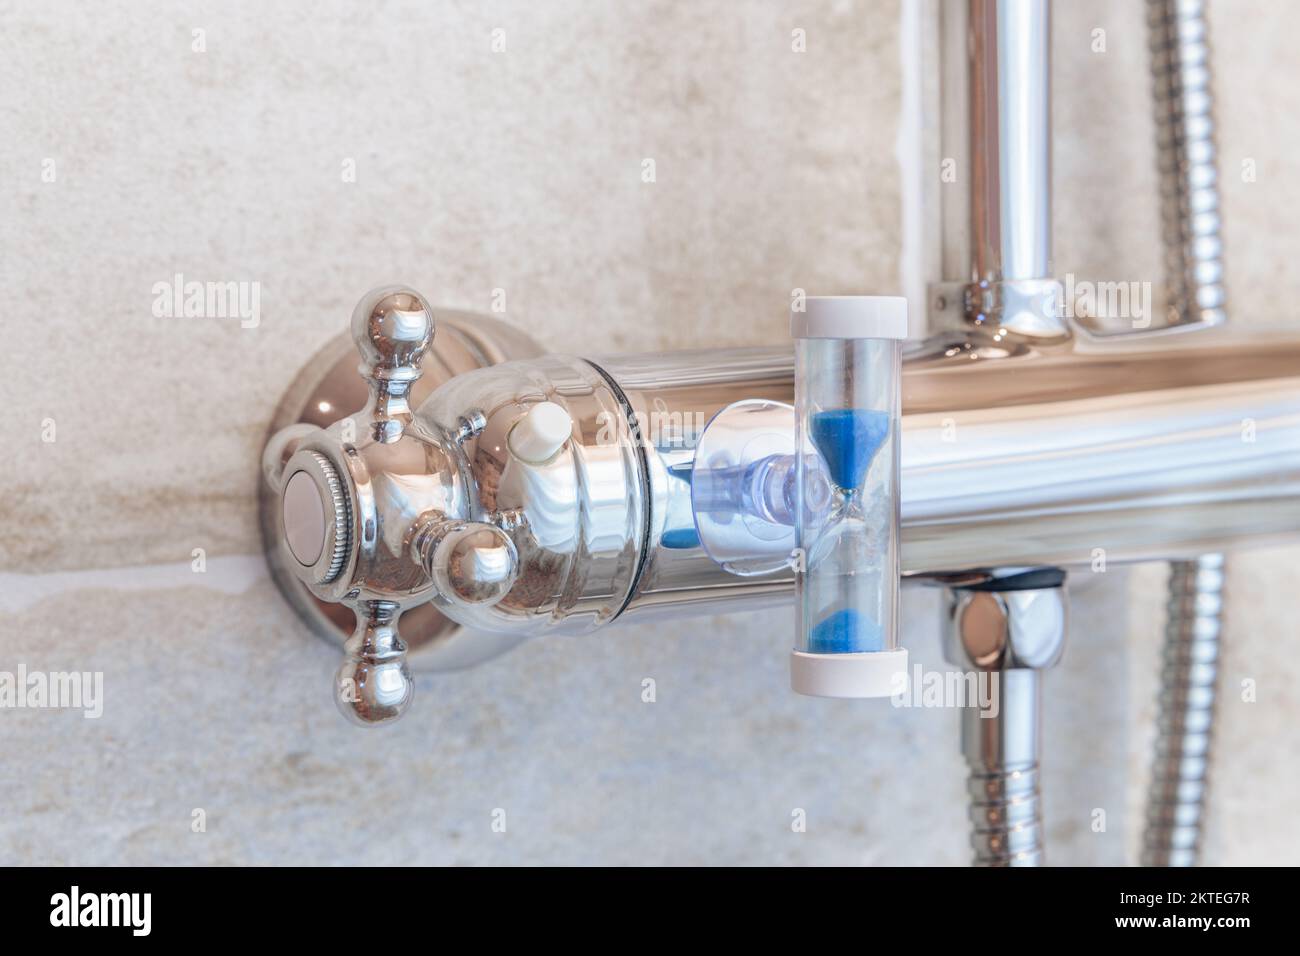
(130, 156)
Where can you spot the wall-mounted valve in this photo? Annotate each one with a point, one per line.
(517, 497)
(373, 510)
(558, 494)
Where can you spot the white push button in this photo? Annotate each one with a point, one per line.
(304, 518)
(537, 436)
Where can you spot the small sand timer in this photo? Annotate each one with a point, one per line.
(847, 409)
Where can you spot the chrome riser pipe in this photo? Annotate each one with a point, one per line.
(995, 199)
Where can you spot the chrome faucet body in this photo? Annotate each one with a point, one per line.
(1017, 457)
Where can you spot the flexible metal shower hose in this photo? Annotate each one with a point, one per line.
(1186, 155)
(1190, 220)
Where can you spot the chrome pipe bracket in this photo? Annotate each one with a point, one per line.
(1016, 311)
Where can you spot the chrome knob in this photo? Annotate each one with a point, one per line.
(347, 528)
(470, 562)
(373, 685)
(392, 327)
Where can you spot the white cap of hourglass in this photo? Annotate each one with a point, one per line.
(849, 317)
(867, 674)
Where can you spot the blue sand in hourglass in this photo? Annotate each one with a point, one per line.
(848, 440)
(678, 539)
(846, 631)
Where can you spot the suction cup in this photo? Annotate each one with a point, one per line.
(742, 487)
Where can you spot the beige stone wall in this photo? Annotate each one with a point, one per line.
(520, 170)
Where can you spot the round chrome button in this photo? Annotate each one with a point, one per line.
(304, 519)
(315, 517)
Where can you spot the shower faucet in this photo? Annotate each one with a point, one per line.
(550, 494)
(487, 492)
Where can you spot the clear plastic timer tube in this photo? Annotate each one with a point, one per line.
(847, 414)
